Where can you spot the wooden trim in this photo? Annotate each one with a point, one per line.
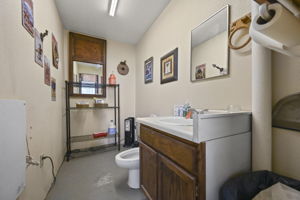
(146, 193)
(172, 136)
(201, 171)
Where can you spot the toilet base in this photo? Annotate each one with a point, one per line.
(134, 178)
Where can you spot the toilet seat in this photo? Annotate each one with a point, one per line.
(129, 158)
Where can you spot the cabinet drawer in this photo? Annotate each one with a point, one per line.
(182, 153)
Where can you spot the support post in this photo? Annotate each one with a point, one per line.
(261, 104)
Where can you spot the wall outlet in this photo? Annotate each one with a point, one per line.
(41, 160)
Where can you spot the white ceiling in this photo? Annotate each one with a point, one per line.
(132, 19)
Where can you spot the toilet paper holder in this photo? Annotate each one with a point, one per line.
(242, 23)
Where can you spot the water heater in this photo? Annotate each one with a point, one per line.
(12, 148)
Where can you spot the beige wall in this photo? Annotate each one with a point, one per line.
(172, 29)
(23, 79)
(286, 143)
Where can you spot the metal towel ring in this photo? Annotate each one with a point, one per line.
(242, 23)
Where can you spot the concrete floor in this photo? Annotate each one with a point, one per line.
(93, 177)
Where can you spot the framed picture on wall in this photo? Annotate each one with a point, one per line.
(46, 71)
(169, 67)
(200, 72)
(27, 16)
(53, 89)
(55, 56)
(148, 74)
(38, 48)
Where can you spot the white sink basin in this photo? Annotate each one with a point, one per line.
(176, 121)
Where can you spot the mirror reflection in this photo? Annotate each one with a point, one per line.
(88, 75)
(209, 49)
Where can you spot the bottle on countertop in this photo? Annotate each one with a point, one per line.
(112, 128)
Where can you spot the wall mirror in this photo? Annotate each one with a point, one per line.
(209, 47)
(88, 75)
(87, 66)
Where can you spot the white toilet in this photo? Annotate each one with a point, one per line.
(130, 159)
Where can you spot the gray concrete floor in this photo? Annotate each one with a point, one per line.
(93, 177)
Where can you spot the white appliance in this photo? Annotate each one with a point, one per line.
(12, 148)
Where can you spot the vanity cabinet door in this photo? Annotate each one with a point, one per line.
(174, 183)
(148, 166)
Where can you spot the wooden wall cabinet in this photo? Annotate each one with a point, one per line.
(171, 168)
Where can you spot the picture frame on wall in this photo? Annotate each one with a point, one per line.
(200, 72)
(169, 67)
(47, 76)
(38, 48)
(27, 16)
(148, 73)
(55, 55)
(53, 89)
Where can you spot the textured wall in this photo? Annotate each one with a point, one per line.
(23, 79)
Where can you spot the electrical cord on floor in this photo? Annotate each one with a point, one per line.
(53, 173)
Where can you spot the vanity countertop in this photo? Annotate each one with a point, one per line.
(182, 131)
(211, 124)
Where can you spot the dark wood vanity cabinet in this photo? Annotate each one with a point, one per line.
(148, 162)
(169, 166)
(174, 182)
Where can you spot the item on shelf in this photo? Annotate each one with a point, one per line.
(101, 105)
(98, 100)
(99, 135)
(82, 104)
(112, 80)
(112, 128)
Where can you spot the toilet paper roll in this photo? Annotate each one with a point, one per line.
(284, 27)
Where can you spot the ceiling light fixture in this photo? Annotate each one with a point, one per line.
(113, 7)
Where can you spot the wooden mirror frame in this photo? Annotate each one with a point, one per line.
(87, 49)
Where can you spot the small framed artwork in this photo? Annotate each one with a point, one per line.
(200, 72)
(148, 70)
(27, 16)
(169, 67)
(53, 89)
(38, 48)
(46, 71)
(55, 56)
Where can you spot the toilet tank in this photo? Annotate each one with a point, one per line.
(12, 148)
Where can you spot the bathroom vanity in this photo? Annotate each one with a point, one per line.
(190, 159)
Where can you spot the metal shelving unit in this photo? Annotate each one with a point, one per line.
(73, 139)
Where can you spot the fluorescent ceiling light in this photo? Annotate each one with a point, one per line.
(113, 7)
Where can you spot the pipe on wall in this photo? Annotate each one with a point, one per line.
(261, 104)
